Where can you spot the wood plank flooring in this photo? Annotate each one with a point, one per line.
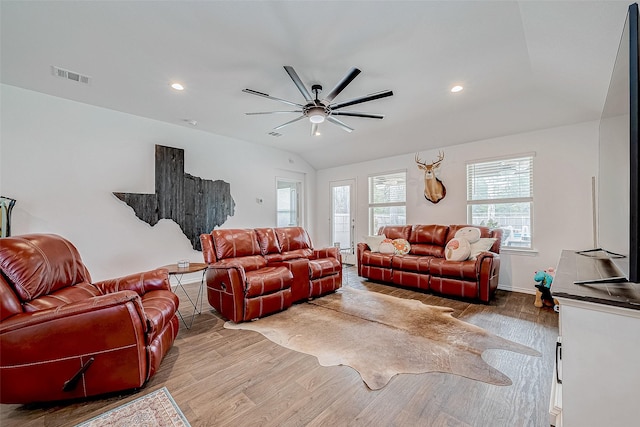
(221, 377)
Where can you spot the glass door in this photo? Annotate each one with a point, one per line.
(343, 220)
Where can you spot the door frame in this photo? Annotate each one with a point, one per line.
(348, 254)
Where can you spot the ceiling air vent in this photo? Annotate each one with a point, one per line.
(70, 75)
(275, 134)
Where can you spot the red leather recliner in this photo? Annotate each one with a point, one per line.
(63, 337)
(240, 284)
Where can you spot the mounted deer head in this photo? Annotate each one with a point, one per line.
(434, 189)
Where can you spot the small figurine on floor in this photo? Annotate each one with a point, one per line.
(543, 294)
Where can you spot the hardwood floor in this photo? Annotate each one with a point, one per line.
(221, 377)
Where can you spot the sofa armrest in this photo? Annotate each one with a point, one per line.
(141, 283)
(92, 307)
(331, 252)
(226, 289)
(488, 268)
(361, 248)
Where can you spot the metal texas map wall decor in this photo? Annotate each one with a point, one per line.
(197, 205)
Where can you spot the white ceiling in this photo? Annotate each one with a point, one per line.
(525, 65)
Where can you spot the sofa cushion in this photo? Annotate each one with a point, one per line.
(411, 263)
(267, 280)
(427, 249)
(429, 234)
(454, 269)
(292, 238)
(396, 231)
(268, 241)
(68, 295)
(323, 267)
(234, 243)
(376, 259)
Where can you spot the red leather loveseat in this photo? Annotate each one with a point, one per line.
(255, 272)
(64, 337)
(425, 266)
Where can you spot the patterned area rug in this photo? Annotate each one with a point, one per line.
(381, 336)
(154, 409)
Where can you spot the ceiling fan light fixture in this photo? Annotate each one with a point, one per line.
(316, 117)
(316, 114)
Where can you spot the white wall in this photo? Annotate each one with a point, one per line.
(62, 160)
(565, 160)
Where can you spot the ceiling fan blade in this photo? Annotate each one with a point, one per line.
(342, 84)
(339, 123)
(314, 129)
(294, 76)
(354, 114)
(366, 98)
(264, 95)
(273, 112)
(288, 123)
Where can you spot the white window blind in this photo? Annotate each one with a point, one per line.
(500, 195)
(387, 200)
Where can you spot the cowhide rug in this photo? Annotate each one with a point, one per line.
(381, 336)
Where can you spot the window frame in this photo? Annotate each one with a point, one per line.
(505, 200)
(371, 205)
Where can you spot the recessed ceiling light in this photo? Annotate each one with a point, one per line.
(456, 89)
(177, 86)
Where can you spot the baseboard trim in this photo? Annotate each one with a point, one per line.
(531, 291)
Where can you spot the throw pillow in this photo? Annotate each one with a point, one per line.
(482, 245)
(457, 250)
(374, 242)
(402, 247)
(386, 247)
(472, 234)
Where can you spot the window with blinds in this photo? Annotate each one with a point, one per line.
(500, 195)
(387, 200)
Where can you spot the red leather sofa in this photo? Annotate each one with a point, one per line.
(425, 266)
(255, 272)
(64, 337)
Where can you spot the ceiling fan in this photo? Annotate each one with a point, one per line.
(319, 110)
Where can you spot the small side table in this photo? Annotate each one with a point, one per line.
(178, 272)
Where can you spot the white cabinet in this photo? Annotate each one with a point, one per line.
(600, 365)
(600, 354)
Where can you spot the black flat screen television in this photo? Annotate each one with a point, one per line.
(618, 195)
